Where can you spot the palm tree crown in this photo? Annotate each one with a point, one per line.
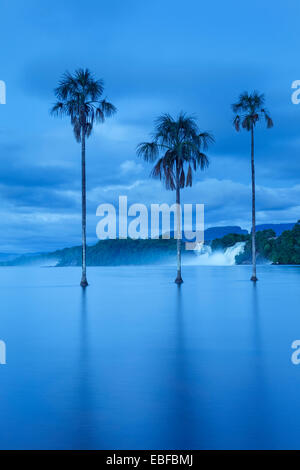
(79, 96)
(181, 144)
(249, 110)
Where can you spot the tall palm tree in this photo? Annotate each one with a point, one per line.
(177, 150)
(79, 97)
(249, 110)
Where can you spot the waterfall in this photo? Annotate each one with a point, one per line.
(206, 257)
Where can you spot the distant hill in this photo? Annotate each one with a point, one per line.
(7, 256)
(217, 232)
(278, 228)
(107, 253)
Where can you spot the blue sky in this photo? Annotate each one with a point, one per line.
(154, 57)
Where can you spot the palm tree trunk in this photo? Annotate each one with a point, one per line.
(178, 279)
(84, 282)
(253, 278)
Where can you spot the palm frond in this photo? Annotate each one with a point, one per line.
(158, 169)
(94, 88)
(246, 123)
(58, 109)
(149, 151)
(242, 104)
(189, 177)
(88, 129)
(169, 178)
(236, 122)
(202, 160)
(268, 118)
(100, 114)
(187, 127)
(192, 153)
(206, 139)
(108, 109)
(67, 86)
(182, 178)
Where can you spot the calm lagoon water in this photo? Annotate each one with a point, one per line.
(134, 362)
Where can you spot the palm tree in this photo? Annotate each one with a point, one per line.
(177, 150)
(79, 97)
(249, 110)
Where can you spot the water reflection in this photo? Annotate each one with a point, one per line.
(181, 423)
(259, 429)
(84, 412)
(187, 425)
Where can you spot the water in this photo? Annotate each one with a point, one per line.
(135, 362)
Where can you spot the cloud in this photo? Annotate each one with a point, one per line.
(131, 167)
